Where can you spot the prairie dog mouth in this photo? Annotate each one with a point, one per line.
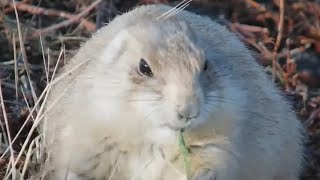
(177, 126)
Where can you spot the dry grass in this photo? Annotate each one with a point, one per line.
(29, 61)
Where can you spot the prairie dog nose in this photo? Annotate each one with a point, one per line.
(188, 110)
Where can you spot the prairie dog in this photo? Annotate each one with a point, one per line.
(144, 79)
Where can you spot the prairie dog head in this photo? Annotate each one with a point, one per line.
(160, 73)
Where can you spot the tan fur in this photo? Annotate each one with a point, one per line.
(114, 123)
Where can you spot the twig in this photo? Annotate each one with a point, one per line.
(256, 5)
(89, 26)
(279, 36)
(312, 117)
(289, 67)
(262, 10)
(69, 21)
(251, 28)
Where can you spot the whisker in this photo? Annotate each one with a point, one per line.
(171, 10)
(217, 99)
(182, 5)
(177, 10)
(152, 111)
(157, 99)
(258, 115)
(220, 75)
(213, 105)
(243, 110)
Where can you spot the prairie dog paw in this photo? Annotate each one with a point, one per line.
(206, 175)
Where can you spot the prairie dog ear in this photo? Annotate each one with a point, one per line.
(129, 40)
(123, 41)
(124, 37)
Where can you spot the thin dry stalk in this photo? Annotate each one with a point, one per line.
(30, 113)
(26, 121)
(26, 101)
(5, 138)
(34, 126)
(44, 92)
(44, 59)
(56, 66)
(24, 56)
(64, 55)
(37, 120)
(27, 161)
(16, 78)
(8, 132)
(48, 65)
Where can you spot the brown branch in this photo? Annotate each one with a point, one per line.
(264, 12)
(256, 5)
(251, 28)
(290, 66)
(11, 8)
(312, 117)
(67, 22)
(89, 26)
(279, 36)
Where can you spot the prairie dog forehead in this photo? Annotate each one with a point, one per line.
(168, 44)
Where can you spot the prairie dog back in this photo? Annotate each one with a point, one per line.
(142, 79)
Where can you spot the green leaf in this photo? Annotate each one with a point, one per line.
(185, 153)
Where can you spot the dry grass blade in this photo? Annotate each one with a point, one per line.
(26, 101)
(37, 120)
(27, 161)
(13, 170)
(44, 93)
(24, 56)
(44, 60)
(40, 113)
(15, 66)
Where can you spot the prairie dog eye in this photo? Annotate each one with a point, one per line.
(144, 68)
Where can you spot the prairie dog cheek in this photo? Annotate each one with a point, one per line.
(171, 91)
(151, 107)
